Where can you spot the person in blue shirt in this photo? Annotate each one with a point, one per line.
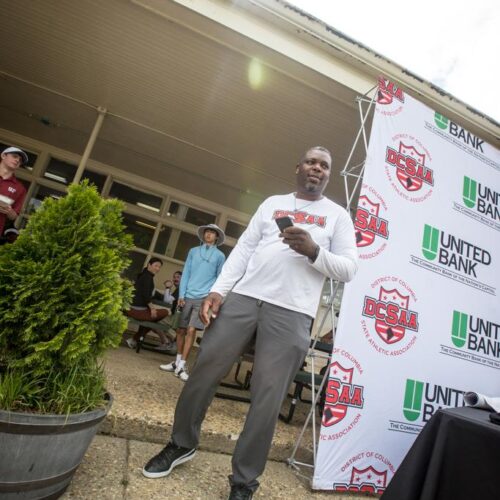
(202, 267)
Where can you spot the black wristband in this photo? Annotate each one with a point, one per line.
(316, 253)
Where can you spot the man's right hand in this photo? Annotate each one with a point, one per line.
(210, 307)
(181, 302)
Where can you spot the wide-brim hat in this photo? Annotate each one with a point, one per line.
(220, 233)
(13, 149)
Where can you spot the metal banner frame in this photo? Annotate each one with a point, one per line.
(352, 175)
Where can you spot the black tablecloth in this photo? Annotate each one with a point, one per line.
(455, 457)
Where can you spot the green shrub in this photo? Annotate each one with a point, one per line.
(62, 293)
(79, 388)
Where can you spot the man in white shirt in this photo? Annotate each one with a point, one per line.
(271, 286)
(171, 293)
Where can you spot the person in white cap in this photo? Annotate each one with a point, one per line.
(9, 235)
(12, 191)
(203, 266)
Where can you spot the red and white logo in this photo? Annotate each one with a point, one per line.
(390, 97)
(389, 315)
(369, 475)
(368, 224)
(410, 161)
(371, 225)
(301, 217)
(341, 394)
(388, 91)
(390, 329)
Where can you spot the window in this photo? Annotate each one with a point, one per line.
(185, 243)
(199, 218)
(141, 230)
(226, 250)
(31, 156)
(191, 215)
(136, 197)
(60, 171)
(163, 239)
(94, 178)
(40, 193)
(173, 209)
(234, 230)
(25, 183)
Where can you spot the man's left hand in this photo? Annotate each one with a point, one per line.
(8, 211)
(300, 241)
(210, 307)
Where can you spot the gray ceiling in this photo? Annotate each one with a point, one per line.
(181, 109)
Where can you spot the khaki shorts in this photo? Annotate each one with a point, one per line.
(190, 314)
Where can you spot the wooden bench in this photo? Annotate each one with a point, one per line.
(151, 325)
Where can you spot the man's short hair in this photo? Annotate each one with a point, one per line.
(320, 148)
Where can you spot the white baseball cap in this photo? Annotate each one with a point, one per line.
(13, 149)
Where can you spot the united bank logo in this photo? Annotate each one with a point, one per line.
(371, 229)
(453, 252)
(482, 198)
(341, 394)
(407, 166)
(480, 202)
(473, 339)
(423, 399)
(420, 401)
(454, 258)
(390, 316)
(458, 132)
(461, 139)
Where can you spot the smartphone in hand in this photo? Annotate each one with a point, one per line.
(283, 223)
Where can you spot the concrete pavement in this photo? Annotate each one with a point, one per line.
(139, 425)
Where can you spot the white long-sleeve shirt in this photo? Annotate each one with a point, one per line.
(263, 267)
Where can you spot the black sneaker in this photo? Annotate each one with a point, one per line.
(171, 456)
(240, 492)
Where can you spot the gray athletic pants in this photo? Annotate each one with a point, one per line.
(282, 340)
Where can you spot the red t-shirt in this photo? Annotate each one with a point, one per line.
(13, 189)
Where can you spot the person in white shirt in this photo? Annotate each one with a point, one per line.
(269, 289)
(171, 293)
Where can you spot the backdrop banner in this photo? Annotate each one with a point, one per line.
(420, 323)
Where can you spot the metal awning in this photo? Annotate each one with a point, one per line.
(192, 102)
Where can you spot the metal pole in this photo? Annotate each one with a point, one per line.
(90, 145)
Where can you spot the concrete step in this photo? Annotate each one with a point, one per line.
(145, 399)
(139, 425)
(112, 467)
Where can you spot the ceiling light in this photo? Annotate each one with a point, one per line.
(255, 74)
(143, 224)
(56, 177)
(147, 207)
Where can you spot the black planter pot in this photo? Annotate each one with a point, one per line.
(40, 453)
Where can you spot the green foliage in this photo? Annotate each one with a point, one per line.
(78, 389)
(61, 286)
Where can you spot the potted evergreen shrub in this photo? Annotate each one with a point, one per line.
(61, 300)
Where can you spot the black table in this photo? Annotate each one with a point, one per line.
(455, 457)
